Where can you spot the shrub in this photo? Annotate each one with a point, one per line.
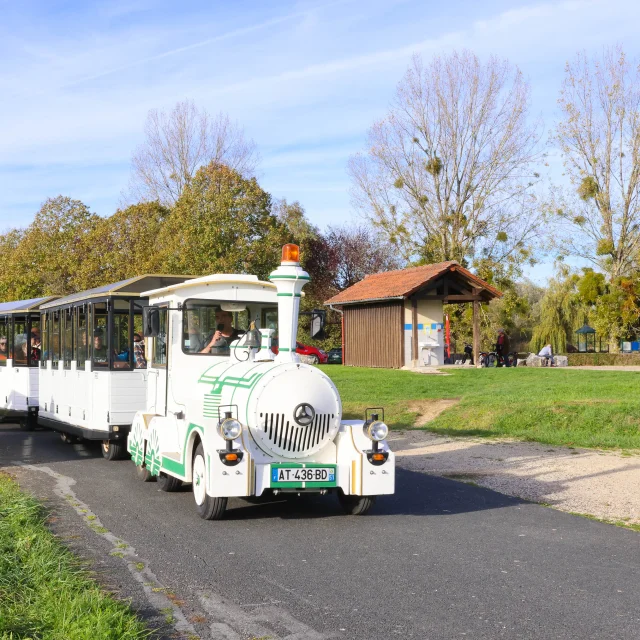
(603, 359)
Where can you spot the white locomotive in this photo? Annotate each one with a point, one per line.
(229, 416)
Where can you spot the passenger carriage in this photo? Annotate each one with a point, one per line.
(20, 338)
(234, 419)
(91, 382)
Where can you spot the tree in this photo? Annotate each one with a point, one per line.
(448, 173)
(10, 288)
(344, 255)
(614, 307)
(222, 223)
(561, 312)
(599, 137)
(293, 217)
(46, 255)
(178, 143)
(124, 245)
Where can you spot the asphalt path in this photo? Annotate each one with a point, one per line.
(439, 559)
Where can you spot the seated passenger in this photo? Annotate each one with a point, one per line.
(218, 342)
(139, 359)
(99, 348)
(36, 345)
(3, 348)
(21, 349)
(193, 343)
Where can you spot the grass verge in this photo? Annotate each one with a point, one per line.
(580, 408)
(44, 591)
(616, 522)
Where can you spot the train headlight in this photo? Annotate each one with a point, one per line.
(230, 429)
(376, 430)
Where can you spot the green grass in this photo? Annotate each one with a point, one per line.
(45, 593)
(598, 409)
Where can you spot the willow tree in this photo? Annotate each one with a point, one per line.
(562, 311)
(449, 172)
(599, 137)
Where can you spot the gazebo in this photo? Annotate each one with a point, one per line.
(395, 319)
(586, 339)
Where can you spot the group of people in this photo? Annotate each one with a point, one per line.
(22, 347)
(502, 350)
(121, 360)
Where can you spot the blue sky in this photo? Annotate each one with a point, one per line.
(306, 80)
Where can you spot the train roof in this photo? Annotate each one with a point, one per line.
(131, 287)
(23, 306)
(213, 279)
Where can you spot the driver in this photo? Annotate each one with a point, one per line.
(224, 335)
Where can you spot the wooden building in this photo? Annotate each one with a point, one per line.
(395, 319)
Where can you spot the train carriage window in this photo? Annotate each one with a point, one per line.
(20, 342)
(139, 355)
(54, 338)
(159, 349)
(99, 352)
(82, 333)
(4, 341)
(121, 335)
(67, 333)
(44, 328)
(209, 328)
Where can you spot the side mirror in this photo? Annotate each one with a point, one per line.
(151, 321)
(318, 318)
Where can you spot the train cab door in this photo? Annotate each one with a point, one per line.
(158, 374)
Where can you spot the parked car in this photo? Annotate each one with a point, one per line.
(312, 352)
(334, 356)
(317, 356)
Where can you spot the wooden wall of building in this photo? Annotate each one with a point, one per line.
(373, 334)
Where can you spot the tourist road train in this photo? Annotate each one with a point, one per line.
(178, 373)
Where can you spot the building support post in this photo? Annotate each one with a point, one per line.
(476, 332)
(414, 331)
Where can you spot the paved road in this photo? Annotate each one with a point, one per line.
(440, 559)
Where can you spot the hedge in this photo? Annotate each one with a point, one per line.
(603, 359)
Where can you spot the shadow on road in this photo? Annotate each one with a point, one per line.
(417, 494)
(41, 446)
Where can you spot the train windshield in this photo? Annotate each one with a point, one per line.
(210, 326)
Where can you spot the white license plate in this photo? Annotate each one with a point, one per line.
(287, 475)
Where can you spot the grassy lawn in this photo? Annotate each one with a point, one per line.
(554, 406)
(44, 593)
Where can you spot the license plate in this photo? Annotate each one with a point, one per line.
(303, 476)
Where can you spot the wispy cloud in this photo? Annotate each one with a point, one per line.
(487, 28)
(234, 33)
(305, 79)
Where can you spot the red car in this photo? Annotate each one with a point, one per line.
(318, 356)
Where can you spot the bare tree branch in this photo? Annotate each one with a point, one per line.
(599, 136)
(178, 143)
(448, 173)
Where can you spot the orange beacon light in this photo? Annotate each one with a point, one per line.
(290, 253)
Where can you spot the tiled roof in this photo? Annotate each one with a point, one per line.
(403, 282)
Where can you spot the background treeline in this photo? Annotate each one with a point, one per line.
(458, 169)
(220, 223)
